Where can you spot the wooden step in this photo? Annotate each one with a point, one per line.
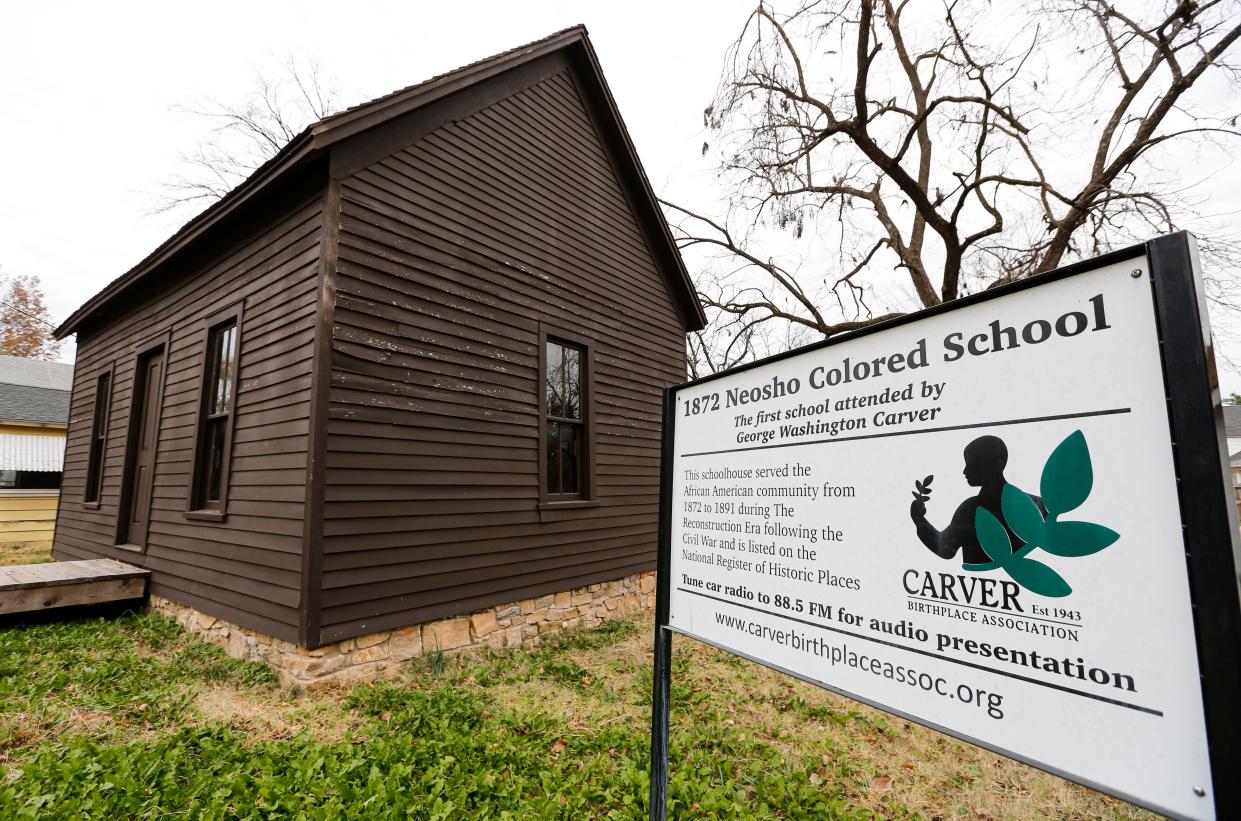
(25, 588)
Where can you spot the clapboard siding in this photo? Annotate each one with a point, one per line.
(27, 517)
(452, 252)
(247, 569)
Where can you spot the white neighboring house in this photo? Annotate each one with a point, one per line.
(1232, 428)
(34, 414)
(1232, 424)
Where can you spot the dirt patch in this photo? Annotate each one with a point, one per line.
(883, 762)
(25, 553)
(322, 717)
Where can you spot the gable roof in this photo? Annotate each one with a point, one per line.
(315, 140)
(32, 390)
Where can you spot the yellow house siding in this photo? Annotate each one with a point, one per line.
(32, 430)
(28, 517)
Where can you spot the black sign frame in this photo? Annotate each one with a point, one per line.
(1208, 519)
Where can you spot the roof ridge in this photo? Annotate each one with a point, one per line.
(304, 139)
(317, 139)
(430, 80)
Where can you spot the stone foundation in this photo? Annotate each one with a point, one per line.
(375, 655)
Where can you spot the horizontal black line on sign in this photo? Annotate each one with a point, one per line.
(929, 654)
(1083, 415)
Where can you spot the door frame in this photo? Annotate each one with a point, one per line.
(162, 343)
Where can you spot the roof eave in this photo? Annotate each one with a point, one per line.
(318, 138)
(297, 150)
(313, 140)
(695, 317)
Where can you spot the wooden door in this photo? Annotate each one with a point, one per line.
(143, 438)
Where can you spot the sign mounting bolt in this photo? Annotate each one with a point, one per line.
(1136, 273)
(1201, 793)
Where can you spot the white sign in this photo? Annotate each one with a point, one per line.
(970, 520)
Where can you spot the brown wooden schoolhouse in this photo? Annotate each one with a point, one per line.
(409, 370)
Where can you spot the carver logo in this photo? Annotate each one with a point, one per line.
(1002, 525)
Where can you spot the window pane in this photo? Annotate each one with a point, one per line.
(8, 478)
(37, 479)
(213, 457)
(94, 462)
(101, 404)
(554, 379)
(223, 361)
(573, 383)
(213, 376)
(564, 378)
(94, 470)
(228, 365)
(569, 435)
(553, 457)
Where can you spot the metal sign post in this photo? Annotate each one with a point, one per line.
(1077, 611)
(662, 676)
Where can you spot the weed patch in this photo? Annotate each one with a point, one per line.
(130, 718)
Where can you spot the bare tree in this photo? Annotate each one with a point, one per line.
(730, 339)
(938, 151)
(245, 134)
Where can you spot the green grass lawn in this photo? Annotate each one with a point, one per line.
(130, 718)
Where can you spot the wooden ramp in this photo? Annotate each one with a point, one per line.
(26, 588)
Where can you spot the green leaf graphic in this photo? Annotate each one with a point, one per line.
(1077, 538)
(1067, 476)
(1067, 480)
(1037, 578)
(1022, 515)
(992, 536)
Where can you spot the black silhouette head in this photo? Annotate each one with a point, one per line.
(985, 459)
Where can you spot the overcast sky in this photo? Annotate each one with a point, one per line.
(89, 94)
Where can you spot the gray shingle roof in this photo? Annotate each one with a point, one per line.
(34, 391)
(35, 373)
